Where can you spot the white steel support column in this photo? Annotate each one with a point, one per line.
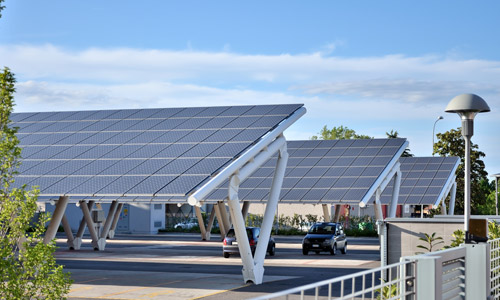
(56, 219)
(201, 223)
(241, 233)
(253, 269)
(107, 225)
(377, 207)
(451, 209)
(90, 225)
(272, 204)
(336, 218)
(219, 219)
(326, 212)
(79, 234)
(395, 194)
(116, 217)
(67, 229)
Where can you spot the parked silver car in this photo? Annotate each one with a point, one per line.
(188, 224)
(231, 246)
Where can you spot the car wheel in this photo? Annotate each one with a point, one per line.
(226, 254)
(344, 250)
(305, 251)
(272, 251)
(333, 251)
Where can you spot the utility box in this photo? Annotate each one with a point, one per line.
(98, 216)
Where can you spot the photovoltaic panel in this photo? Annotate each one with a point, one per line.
(106, 153)
(423, 179)
(329, 171)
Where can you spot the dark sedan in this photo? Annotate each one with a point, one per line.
(325, 237)
(231, 246)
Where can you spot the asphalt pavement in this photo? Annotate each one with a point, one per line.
(181, 266)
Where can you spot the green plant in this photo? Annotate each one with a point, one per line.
(388, 291)
(28, 269)
(458, 239)
(431, 241)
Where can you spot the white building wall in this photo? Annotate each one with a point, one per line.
(143, 218)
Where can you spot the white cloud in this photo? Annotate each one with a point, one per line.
(369, 94)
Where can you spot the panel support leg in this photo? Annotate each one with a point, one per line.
(224, 216)
(244, 209)
(107, 225)
(443, 207)
(326, 212)
(116, 217)
(219, 220)
(69, 234)
(77, 243)
(56, 219)
(451, 210)
(90, 225)
(210, 223)
(201, 223)
(395, 194)
(336, 218)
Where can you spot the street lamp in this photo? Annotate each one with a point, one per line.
(496, 192)
(467, 106)
(433, 128)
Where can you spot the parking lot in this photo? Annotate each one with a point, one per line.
(181, 266)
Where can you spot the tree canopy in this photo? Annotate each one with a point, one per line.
(394, 135)
(451, 143)
(339, 133)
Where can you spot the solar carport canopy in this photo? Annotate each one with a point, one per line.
(424, 180)
(166, 152)
(324, 171)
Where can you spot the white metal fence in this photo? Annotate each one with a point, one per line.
(457, 273)
(495, 267)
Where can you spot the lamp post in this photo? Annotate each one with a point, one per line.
(433, 128)
(496, 192)
(467, 106)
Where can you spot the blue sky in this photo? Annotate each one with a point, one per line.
(373, 66)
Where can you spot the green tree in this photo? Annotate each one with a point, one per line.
(451, 143)
(339, 133)
(394, 135)
(28, 269)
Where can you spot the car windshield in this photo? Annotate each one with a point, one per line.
(322, 229)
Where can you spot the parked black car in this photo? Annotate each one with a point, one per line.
(231, 246)
(325, 237)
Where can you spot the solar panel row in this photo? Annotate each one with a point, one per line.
(322, 171)
(141, 152)
(422, 180)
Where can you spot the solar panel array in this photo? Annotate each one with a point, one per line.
(422, 179)
(137, 152)
(322, 171)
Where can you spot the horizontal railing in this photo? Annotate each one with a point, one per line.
(367, 284)
(464, 272)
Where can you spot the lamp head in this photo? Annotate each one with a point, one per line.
(467, 106)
